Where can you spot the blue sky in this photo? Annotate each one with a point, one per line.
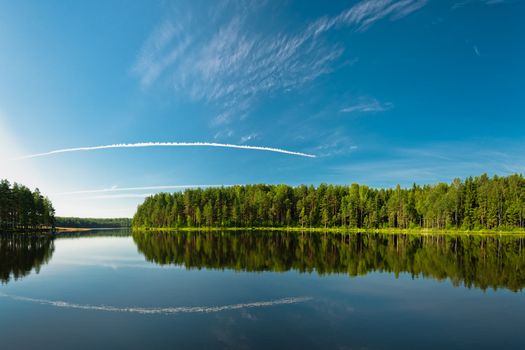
(381, 92)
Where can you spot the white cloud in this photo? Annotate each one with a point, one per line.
(463, 3)
(437, 162)
(227, 64)
(249, 137)
(334, 143)
(224, 133)
(156, 54)
(368, 105)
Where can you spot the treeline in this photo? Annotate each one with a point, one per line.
(475, 203)
(470, 260)
(92, 222)
(23, 209)
(21, 254)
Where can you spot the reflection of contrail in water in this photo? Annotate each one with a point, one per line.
(165, 311)
(169, 144)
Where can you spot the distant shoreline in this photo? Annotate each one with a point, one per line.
(59, 230)
(343, 230)
(81, 229)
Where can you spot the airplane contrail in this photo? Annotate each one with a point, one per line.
(168, 144)
(142, 188)
(120, 196)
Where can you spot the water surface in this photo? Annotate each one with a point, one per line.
(261, 290)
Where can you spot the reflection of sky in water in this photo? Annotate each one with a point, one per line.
(372, 311)
(104, 252)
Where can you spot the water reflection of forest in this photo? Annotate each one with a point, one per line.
(21, 254)
(473, 261)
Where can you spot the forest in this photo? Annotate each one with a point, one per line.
(480, 202)
(22, 254)
(92, 222)
(23, 209)
(470, 260)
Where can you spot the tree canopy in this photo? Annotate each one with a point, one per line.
(21, 208)
(92, 222)
(475, 203)
(21, 254)
(470, 260)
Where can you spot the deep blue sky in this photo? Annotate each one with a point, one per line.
(382, 92)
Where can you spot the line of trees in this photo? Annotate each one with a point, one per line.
(23, 209)
(22, 254)
(470, 260)
(476, 203)
(92, 222)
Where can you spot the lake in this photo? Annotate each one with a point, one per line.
(261, 290)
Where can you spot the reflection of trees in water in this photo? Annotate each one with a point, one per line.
(20, 254)
(92, 233)
(474, 261)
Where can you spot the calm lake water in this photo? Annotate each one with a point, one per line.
(259, 290)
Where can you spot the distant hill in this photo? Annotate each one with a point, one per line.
(92, 222)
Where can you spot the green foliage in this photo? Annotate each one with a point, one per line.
(480, 202)
(92, 222)
(474, 261)
(22, 209)
(20, 254)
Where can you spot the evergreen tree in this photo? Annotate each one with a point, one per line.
(23, 209)
(479, 202)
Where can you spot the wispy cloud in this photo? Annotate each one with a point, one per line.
(249, 137)
(463, 3)
(476, 50)
(167, 144)
(157, 54)
(228, 65)
(334, 143)
(368, 105)
(437, 162)
(224, 133)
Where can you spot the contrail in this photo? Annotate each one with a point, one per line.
(124, 189)
(120, 196)
(167, 144)
(165, 311)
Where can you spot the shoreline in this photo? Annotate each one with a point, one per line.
(70, 229)
(343, 230)
(59, 230)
